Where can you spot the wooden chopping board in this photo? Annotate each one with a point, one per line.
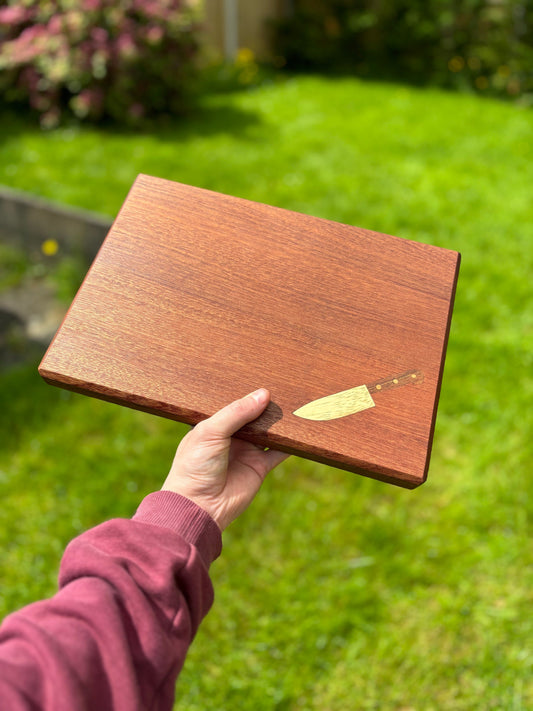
(197, 298)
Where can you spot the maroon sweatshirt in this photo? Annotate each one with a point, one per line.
(131, 596)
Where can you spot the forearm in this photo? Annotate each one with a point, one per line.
(132, 594)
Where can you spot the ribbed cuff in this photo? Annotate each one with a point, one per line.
(184, 517)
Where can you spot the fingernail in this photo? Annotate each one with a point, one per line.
(259, 396)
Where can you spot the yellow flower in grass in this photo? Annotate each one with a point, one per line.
(244, 57)
(49, 247)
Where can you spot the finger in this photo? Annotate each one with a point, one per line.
(273, 458)
(268, 460)
(226, 422)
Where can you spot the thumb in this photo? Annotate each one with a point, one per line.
(226, 422)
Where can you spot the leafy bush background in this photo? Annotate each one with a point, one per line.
(97, 58)
(483, 44)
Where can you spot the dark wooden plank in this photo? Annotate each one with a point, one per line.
(197, 298)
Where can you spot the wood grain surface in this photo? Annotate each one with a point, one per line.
(197, 298)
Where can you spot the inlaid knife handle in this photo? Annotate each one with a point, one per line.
(411, 376)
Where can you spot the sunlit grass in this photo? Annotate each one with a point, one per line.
(333, 592)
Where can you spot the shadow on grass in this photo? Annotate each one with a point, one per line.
(389, 77)
(205, 118)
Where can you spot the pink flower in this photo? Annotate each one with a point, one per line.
(126, 46)
(27, 46)
(153, 9)
(88, 102)
(31, 34)
(91, 5)
(14, 14)
(99, 35)
(154, 34)
(55, 25)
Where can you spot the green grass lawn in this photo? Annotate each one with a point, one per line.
(333, 592)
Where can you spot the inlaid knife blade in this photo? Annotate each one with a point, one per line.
(348, 402)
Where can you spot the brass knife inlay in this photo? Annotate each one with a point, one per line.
(349, 402)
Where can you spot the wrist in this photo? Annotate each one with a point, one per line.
(203, 502)
(185, 517)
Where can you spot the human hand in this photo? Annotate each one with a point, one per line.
(220, 473)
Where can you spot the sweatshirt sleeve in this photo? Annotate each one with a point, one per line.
(131, 596)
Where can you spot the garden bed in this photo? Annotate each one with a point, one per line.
(44, 248)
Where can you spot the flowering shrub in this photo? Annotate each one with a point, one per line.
(123, 59)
